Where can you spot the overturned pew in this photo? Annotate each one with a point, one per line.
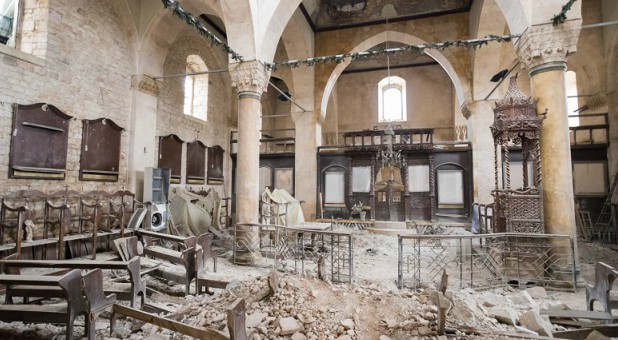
(235, 322)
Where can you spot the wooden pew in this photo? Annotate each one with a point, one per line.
(190, 258)
(236, 315)
(605, 276)
(89, 301)
(137, 286)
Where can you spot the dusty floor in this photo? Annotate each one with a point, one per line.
(370, 308)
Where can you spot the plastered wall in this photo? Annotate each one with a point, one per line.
(429, 99)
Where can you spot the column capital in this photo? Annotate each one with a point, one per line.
(146, 84)
(249, 76)
(466, 109)
(546, 44)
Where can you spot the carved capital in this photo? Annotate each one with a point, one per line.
(146, 84)
(465, 110)
(249, 76)
(546, 44)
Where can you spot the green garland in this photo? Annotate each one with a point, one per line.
(195, 22)
(561, 17)
(338, 58)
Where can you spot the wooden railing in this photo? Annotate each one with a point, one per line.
(592, 129)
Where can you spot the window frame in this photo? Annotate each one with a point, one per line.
(192, 107)
(388, 83)
(11, 42)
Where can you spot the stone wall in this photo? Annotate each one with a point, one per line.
(170, 116)
(80, 64)
(429, 99)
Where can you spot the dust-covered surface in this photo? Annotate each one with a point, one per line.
(372, 307)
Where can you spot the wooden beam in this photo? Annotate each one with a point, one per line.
(196, 332)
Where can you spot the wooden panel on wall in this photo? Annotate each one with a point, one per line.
(196, 162)
(215, 164)
(170, 155)
(100, 157)
(39, 141)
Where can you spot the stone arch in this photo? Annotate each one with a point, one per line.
(494, 57)
(160, 33)
(403, 38)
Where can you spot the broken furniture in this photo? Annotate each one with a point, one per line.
(190, 258)
(89, 300)
(600, 292)
(236, 315)
(605, 276)
(130, 292)
(516, 124)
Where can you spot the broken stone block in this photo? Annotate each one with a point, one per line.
(344, 337)
(385, 337)
(288, 326)
(424, 331)
(535, 322)
(503, 314)
(523, 300)
(255, 319)
(537, 292)
(465, 310)
(299, 336)
(347, 324)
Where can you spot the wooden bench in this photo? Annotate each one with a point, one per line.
(600, 292)
(190, 258)
(130, 292)
(236, 315)
(83, 295)
(605, 276)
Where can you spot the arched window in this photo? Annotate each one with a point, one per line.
(196, 89)
(8, 21)
(571, 93)
(392, 99)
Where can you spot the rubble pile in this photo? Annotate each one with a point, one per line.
(305, 308)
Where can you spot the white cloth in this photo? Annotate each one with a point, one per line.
(282, 203)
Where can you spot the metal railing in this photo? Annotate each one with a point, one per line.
(487, 261)
(321, 253)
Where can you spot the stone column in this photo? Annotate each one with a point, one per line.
(543, 49)
(144, 93)
(308, 127)
(480, 116)
(251, 79)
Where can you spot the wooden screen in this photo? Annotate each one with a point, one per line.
(100, 158)
(196, 162)
(39, 142)
(170, 155)
(215, 165)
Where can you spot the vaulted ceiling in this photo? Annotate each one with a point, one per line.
(326, 15)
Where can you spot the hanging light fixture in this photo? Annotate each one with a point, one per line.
(388, 157)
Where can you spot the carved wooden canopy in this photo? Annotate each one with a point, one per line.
(515, 117)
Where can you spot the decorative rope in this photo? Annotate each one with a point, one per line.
(338, 58)
(195, 22)
(561, 17)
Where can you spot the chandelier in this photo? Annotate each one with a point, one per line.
(389, 157)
